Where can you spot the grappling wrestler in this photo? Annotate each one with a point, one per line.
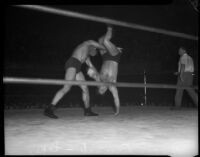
(109, 69)
(80, 55)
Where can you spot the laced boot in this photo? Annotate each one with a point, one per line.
(88, 112)
(49, 111)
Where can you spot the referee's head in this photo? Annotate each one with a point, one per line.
(182, 51)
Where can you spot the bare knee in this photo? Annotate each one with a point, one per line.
(113, 89)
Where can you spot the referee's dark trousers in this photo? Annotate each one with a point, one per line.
(187, 81)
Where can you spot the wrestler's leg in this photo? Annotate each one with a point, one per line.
(114, 92)
(85, 92)
(49, 110)
(110, 47)
(85, 95)
(69, 75)
(108, 34)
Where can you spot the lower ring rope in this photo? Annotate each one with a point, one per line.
(89, 83)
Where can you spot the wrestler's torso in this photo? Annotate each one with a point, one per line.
(109, 68)
(110, 64)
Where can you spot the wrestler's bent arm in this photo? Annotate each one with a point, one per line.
(97, 45)
(92, 72)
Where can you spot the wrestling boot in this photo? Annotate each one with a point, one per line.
(49, 111)
(88, 112)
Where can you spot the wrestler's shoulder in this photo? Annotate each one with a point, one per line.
(89, 42)
(85, 44)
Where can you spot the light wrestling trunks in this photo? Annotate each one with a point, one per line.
(73, 62)
(107, 56)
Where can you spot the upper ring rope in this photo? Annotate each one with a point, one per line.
(108, 21)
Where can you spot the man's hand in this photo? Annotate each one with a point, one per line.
(181, 77)
(182, 69)
(93, 74)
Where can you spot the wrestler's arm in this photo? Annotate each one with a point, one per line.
(96, 44)
(92, 72)
(89, 63)
(101, 42)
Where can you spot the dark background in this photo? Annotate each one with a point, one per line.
(37, 45)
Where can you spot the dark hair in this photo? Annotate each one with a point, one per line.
(183, 48)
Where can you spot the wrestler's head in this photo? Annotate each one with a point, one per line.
(92, 51)
(101, 90)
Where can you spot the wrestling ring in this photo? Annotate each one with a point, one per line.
(136, 131)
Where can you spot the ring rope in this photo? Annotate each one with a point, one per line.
(108, 21)
(90, 83)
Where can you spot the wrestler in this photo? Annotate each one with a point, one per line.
(109, 69)
(80, 55)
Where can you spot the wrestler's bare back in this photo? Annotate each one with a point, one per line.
(81, 52)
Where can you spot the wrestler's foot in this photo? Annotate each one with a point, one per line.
(116, 112)
(49, 112)
(88, 112)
